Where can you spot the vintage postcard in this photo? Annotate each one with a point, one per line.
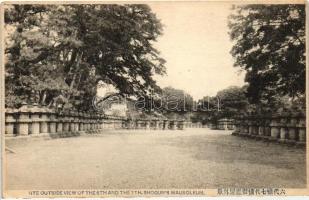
(153, 99)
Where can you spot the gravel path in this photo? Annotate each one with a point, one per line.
(194, 158)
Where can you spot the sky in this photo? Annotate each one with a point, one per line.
(195, 44)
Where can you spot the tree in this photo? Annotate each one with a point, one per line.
(270, 46)
(67, 49)
(176, 100)
(227, 103)
(233, 100)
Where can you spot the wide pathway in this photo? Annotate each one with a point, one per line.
(194, 158)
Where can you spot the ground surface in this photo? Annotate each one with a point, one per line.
(194, 158)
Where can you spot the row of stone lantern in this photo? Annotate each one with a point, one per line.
(34, 120)
(155, 124)
(194, 125)
(285, 128)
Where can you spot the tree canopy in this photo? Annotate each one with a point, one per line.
(269, 44)
(227, 103)
(233, 100)
(176, 100)
(60, 53)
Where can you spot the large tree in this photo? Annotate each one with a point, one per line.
(232, 100)
(226, 104)
(269, 44)
(62, 52)
(176, 100)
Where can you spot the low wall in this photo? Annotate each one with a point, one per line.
(285, 128)
(39, 121)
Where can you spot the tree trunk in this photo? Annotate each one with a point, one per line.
(75, 74)
(43, 98)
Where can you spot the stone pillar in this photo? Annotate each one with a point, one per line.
(97, 122)
(225, 127)
(161, 125)
(94, 124)
(52, 123)
(181, 125)
(167, 125)
(81, 126)
(76, 123)
(156, 125)
(35, 118)
(302, 130)
(44, 122)
(267, 129)
(88, 123)
(250, 127)
(237, 127)
(283, 129)
(121, 123)
(81, 122)
(275, 129)
(59, 127)
(187, 124)
(66, 126)
(138, 124)
(174, 125)
(292, 129)
(9, 123)
(72, 123)
(84, 122)
(254, 128)
(101, 123)
(261, 130)
(247, 127)
(23, 121)
(66, 123)
(242, 125)
(23, 126)
(147, 125)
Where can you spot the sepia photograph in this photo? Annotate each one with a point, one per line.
(153, 99)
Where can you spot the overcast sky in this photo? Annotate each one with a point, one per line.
(196, 45)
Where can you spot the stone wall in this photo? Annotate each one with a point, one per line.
(32, 120)
(285, 128)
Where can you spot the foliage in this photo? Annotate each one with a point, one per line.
(67, 49)
(176, 100)
(233, 100)
(270, 47)
(227, 103)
